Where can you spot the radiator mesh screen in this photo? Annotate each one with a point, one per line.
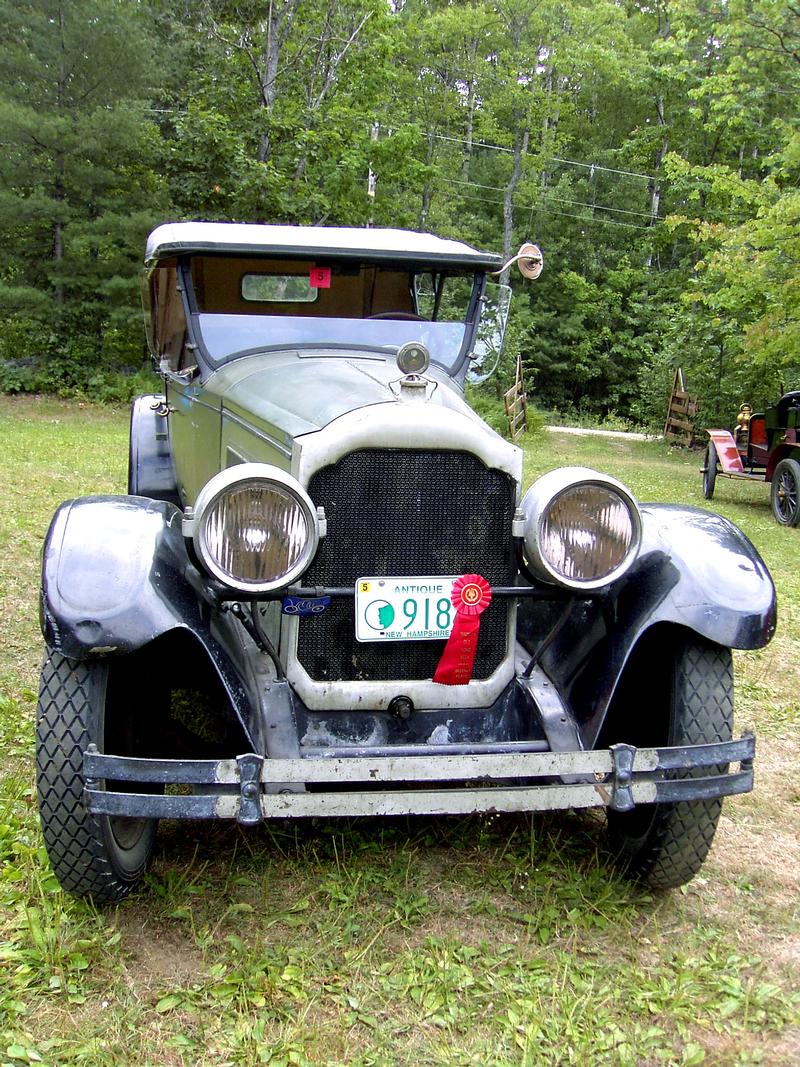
(397, 512)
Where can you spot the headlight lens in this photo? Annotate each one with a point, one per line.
(255, 528)
(582, 529)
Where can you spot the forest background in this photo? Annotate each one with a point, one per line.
(650, 148)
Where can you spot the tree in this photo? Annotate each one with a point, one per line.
(77, 194)
(275, 125)
(735, 209)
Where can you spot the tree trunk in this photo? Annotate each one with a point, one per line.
(275, 30)
(520, 149)
(426, 188)
(470, 131)
(549, 127)
(59, 187)
(654, 186)
(328, 62)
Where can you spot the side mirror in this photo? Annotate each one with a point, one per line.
(530, 261)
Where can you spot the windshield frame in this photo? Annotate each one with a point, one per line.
(455, 367)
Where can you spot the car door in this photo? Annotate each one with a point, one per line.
(194, 419)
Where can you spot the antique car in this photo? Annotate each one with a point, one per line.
(327, 594)
(764, 446)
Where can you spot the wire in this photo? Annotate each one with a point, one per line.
(606, 170)
(594, 167)
(561, 214)
(553, 197)
(552, 159)
(601, 222)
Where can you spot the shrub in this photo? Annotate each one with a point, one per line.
(107, 368)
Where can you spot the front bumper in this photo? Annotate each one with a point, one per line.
(422, 780)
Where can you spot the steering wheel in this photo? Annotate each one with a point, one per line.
(405, 316)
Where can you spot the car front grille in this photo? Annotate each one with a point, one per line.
(399, 512)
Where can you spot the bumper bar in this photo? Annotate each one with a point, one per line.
(250, 788)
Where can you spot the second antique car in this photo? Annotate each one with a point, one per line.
(327, 591)
(764, 447)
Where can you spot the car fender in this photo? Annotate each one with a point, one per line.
(727, 452)
(789, 450)
(713, 578)
(695, 569)
(115, 577)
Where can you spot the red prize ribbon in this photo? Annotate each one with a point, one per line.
(471, 595)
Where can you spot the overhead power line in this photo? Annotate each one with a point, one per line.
(605, 170)
(554, 198)
(551, 211)
(596, 167)
(593, 167)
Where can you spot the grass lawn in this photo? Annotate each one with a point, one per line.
(480, 940)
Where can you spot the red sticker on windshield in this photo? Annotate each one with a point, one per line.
(320, 278)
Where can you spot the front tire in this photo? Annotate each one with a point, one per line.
(101, 858)
(785, 492)
(665, 845)
(710, 471)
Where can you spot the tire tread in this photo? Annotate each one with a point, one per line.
(73, 837)
(684, 831)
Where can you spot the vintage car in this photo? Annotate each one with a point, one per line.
(764, 446)
(327, 594)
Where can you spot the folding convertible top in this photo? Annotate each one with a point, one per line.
(335, 242)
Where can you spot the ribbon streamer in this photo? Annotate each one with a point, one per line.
(471, 595)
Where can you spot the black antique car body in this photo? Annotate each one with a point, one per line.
(325, 592)
(765, 446)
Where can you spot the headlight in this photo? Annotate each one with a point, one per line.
(254, 527)
(582, 529)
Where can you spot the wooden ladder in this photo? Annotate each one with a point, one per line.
(516, 405)
(681, 412)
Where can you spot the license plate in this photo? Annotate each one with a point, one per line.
(404, 609)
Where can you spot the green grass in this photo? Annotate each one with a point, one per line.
(482, 940)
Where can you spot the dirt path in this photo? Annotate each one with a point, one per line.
(580, 431)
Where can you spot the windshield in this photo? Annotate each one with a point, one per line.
(224, 336)
(244, 305)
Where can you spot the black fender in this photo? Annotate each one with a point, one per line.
(116, 576)
(150, 468)
(695, 570)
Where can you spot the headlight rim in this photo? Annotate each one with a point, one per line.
(544, 493)
(237, 477)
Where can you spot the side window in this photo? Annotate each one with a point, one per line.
(443, 297)
(168, 339)
(455, 298)
(425, 294)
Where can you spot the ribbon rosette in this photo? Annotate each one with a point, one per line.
(471, 596)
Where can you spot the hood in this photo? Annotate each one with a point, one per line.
(298, 393)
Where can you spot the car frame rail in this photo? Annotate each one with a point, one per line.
(252, 788)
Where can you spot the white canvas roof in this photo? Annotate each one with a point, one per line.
(252, 239)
